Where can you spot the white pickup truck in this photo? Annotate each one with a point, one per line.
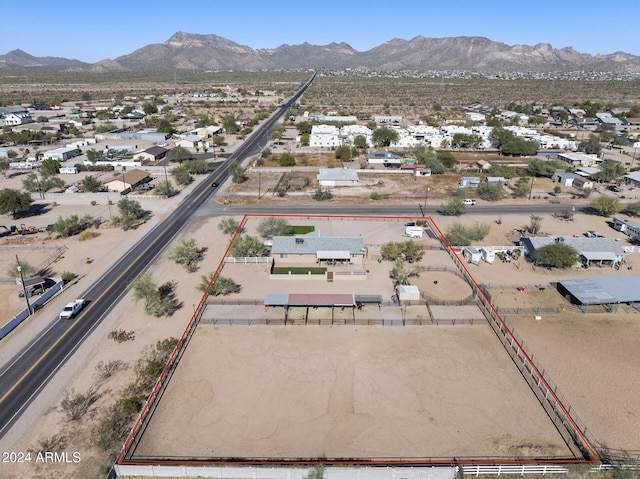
(72, 308)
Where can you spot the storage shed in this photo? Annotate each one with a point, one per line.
(407, 292)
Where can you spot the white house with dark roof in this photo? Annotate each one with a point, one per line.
(319, 248)
(155, 153)
(15, 115)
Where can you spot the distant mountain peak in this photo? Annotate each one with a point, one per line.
(194, 51)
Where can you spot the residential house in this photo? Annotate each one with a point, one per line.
(324, 136)
(579, 159)
(317, 248)
(586, 123)
(469, 182)
(331, 177)
(15, 115)
(565, 178)
(206, 131)
(632, 178)
(125, 182)
(474, 116)
(497, 180)
(387, 119)
(155, 153)
(599, 251)
(188, 141)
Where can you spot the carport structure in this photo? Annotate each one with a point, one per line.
(307, 301)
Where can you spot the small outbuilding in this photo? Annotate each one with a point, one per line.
(408, 292)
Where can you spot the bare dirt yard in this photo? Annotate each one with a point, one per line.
(347, 391)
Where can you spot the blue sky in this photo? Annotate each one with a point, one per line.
(91, 30)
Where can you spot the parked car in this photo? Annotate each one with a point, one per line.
(615, 188)
(469, 201)
(593, 234)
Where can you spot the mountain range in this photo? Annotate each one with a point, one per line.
(188, 51)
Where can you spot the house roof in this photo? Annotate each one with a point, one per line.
(308, 299)
(131, 178)
(156, 151)
(383, 154)
(312, 244)
(591, 248)
(337, 174)
(634, 175)
(604, 289)
(565, 174)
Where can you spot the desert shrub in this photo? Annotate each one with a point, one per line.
(88, 234)
(77, 405)
(55, 442)
(108, 369)
(120, 335)
(68, 276)
(322, 195)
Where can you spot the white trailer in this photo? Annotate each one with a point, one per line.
(488, 254)
(472, 255)
(414, 231)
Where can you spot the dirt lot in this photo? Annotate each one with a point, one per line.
(602, 393)
(316, 391)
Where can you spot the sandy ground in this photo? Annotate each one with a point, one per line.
(339, 392)
(602, 393)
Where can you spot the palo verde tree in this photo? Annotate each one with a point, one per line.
(130, 212)
(158, 300)
(408, 251)
(178, 154)
(186, 253)
(556, 255)
(246, 246)
(454, 207)
(274, 226)
(14, 201)
(461, 235)
(606, 205)
(221, 285)
(73, 224)
(400, 273)
(228, 225)
(90, 184)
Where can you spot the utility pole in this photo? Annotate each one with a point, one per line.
(531, 189)
(24, 288)
(426, 196)
(124, 170)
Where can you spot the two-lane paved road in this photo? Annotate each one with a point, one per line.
(25, 375)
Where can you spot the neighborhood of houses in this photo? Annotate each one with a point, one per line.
(133, 147)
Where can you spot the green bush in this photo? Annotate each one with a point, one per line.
(298, 270)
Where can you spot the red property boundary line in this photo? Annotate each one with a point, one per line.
(338, 462)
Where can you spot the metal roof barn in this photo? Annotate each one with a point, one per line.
(602, 290)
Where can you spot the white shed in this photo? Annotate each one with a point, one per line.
(407, 292)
